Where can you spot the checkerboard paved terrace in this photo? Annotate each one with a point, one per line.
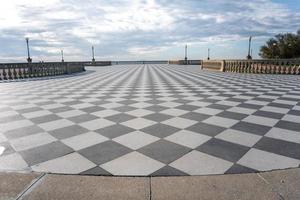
(152, 120)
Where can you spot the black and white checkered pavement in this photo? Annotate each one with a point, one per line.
(151, 120)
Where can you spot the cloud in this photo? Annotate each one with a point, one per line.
(135, 29)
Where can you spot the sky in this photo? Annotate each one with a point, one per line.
(141, 29)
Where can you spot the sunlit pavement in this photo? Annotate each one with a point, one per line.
(151, 120)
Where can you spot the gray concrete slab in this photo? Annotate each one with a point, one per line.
(13, 184)
(225, 187)
(89, 187)
(285, 182)
(275, 185)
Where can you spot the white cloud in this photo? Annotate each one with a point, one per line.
(146, 50)
(11, 11)
(136, 27)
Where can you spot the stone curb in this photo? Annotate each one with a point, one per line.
(280, 184)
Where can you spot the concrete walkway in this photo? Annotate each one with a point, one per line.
(283, 184)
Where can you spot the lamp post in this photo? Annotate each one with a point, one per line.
(93, 53)
(249, 57)
(185, 57)
(29, 60)
(62, 56)
(208, 54)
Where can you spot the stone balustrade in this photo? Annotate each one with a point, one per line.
(183, 62)
(216, 65)
(98, 63)
(282, 66)
(278, 66)
(10, 71)
(139, 62)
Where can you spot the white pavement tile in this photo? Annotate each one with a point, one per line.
(188, 138)
(39, 113)
(285, 102)
(199, 103)
(32, 141)
(296, 108)
(214, 96)
(179, 122)
(2, 149)
(166, 98)
(192, 98)
(57, 124)
(268, 96)
(96, 124)
(105, 113)
(170, 104)
(292, 96)
(221, 121)
(263, 161)
(243, 97)
(89, 100)
(291, 118)
(72, 163)
(138, 123)
(8, 113)
(275, 109)
(228, 103)
(116, 99)
(84, 140)
(20, 107)
(15, 125)
(81, 105)
(50, 96)
(12, 162)
(208, 111)
(118, 95)
(284, 134)
(70, 113)
(140, 112)
(64, 100)
(198, 163)
(111, 105)
(141, 105)
(261, 120)
(132, 164)
(239, 137)
(240, 110)
(141, 99)
(174, 112)
(136, 139)
(52, 106)
(261, 103)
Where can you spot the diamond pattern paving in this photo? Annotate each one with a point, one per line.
(150, 120)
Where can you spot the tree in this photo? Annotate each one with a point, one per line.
(282, 46)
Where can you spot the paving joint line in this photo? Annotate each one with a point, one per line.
(30, 187)
(261, 177)
(272, 188)
(150, 188)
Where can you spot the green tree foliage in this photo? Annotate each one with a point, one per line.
(282, 46)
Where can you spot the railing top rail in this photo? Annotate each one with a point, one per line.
(34, 63)
(259, 60)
